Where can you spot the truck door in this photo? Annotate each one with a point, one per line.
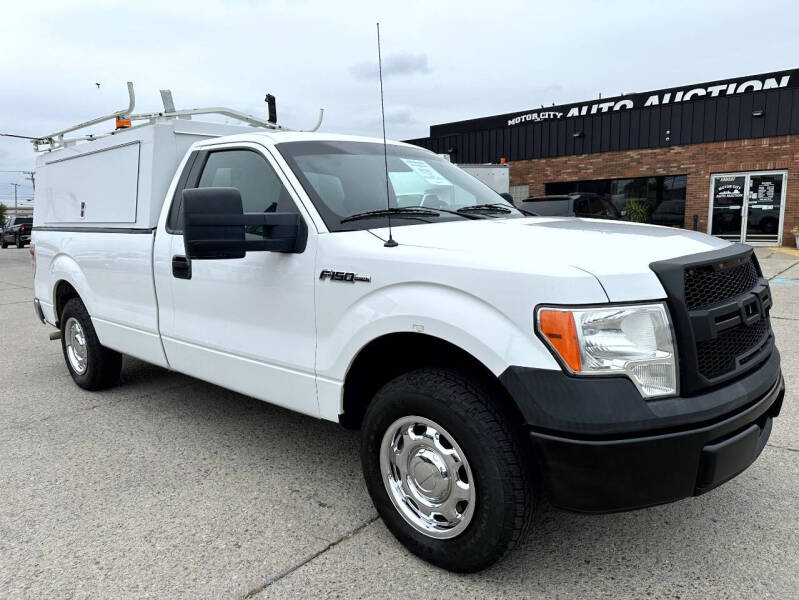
(246, 324)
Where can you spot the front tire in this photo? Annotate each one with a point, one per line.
(92, 365)
(447, 469)
(4, 244)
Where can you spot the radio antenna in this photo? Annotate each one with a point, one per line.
(391, 243)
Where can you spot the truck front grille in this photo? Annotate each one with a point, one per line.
(718, 356)
(719, 304)
(705, 285)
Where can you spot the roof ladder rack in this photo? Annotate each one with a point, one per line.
(57, 139)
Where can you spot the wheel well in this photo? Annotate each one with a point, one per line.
(64, 292)
(389, 356)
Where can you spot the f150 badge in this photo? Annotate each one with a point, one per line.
(343, 276)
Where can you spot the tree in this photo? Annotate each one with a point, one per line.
(3, 209)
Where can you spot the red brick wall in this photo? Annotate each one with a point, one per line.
(697, 161)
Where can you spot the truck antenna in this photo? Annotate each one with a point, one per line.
(391, 242)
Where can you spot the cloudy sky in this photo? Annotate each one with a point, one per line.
(443, 61)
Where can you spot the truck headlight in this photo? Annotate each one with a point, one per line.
(633, 340)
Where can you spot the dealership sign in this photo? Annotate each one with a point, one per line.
(715, 89)
(725, 88)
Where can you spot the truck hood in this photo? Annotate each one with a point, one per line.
(617, 253)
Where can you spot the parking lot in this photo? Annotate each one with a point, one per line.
(166, 486)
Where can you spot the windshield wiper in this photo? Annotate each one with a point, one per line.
(493, 207)
(415, 211)
(499, 207)
(457, 213)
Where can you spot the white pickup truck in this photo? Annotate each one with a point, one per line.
(488, 356)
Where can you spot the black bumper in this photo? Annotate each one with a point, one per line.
(602, 448)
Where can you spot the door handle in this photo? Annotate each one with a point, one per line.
(181, 267)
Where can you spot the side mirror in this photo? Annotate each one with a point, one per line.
(215, 226)
(507, 197)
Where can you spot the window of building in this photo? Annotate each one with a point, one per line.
(658, 200)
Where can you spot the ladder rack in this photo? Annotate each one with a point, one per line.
(57, 140)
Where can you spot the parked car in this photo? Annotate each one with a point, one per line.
(488, 357)
(586, 205)
(17, 230)
(763, 220)
(670, 213)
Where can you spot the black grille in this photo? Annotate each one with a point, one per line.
(705, 286)
(719, 314)
(717, 356)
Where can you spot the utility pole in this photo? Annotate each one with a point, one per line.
(16, 185)
(29, 175)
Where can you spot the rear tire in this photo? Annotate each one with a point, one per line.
(4, 244)
(92, 365)
(456, 415)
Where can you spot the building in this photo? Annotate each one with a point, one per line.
(20, 211)
(720, 157)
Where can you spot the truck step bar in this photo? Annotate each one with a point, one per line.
(125, 117)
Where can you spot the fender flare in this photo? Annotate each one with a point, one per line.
(65, 268)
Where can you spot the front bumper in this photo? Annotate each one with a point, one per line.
(602, 448)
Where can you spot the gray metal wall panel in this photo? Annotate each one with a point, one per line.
(643, 128)
(703, 120)
(697, 120)
(795, 112)
(708, 121)
(771, 104)
(745, 117)
(784, 114)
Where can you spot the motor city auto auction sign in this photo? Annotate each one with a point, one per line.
(725, 88)
(714, 89)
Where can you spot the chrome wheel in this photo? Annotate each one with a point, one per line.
(427, 477)
(75, 342)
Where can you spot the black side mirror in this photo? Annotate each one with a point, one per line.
(508, 198)
(215, 226)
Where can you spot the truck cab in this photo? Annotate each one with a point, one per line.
(488, 357)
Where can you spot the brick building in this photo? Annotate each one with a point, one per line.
(720, 157)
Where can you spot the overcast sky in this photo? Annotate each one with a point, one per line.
(443, 61)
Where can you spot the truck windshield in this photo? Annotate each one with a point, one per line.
(348, 178)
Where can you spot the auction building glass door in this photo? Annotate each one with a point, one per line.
(748, 207)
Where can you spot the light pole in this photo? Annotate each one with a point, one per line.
(16, 185)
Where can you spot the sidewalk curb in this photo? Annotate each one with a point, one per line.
(791, 251)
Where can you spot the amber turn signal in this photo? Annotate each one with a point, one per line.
(558, 327)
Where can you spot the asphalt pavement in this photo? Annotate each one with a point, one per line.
(166, 486)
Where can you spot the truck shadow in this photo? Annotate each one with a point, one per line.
(258, 438)
(671, 543)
